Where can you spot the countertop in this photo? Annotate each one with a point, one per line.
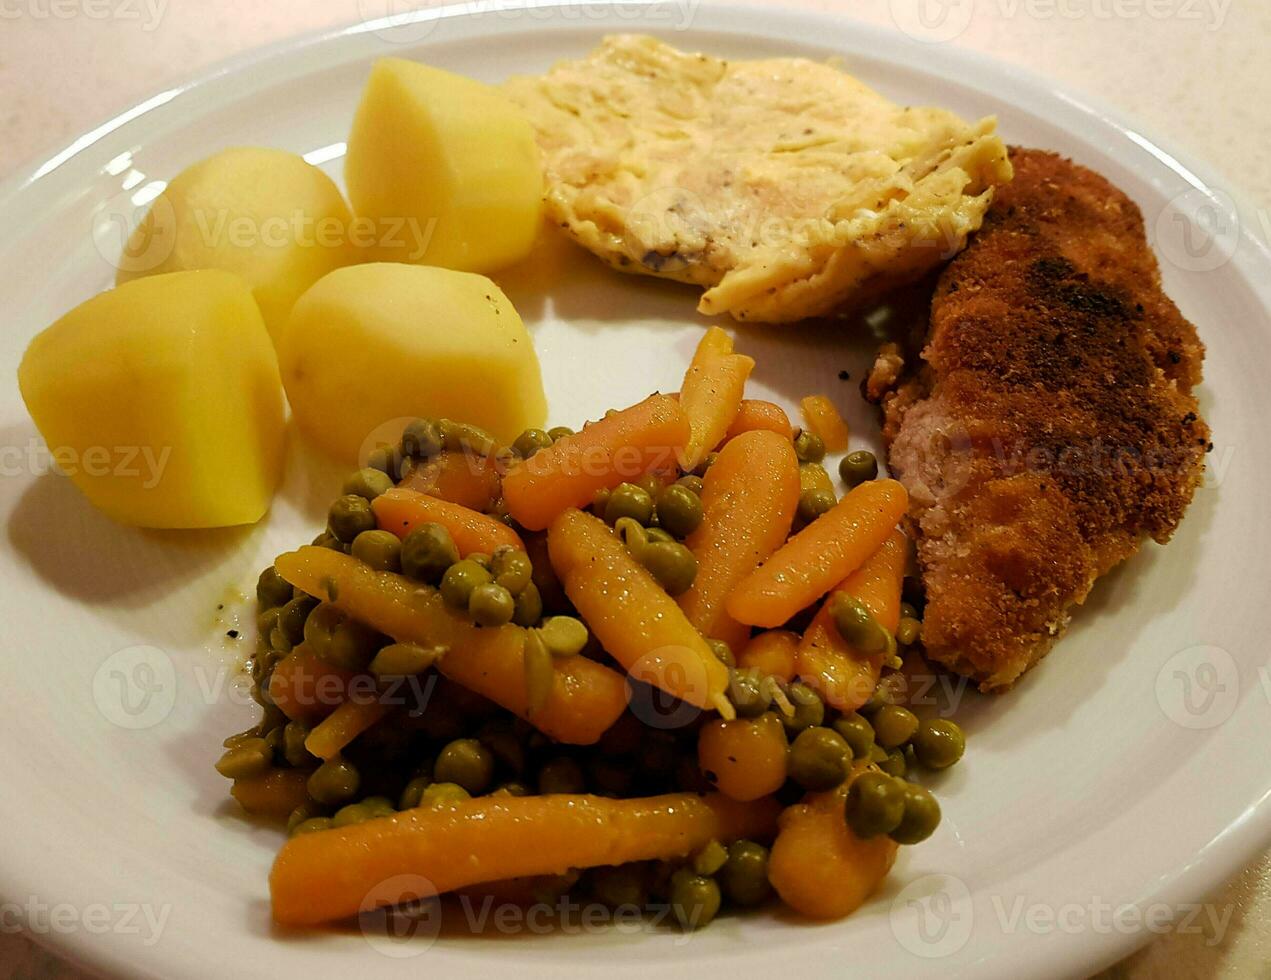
(1195, 73)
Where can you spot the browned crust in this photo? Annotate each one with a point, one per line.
(1052, 424)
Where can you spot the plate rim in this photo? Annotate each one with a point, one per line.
(1229, 848)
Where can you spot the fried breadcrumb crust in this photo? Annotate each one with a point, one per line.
(1050, 426)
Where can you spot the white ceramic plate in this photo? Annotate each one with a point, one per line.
(1128, 771)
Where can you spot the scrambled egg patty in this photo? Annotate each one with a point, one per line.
(785, 187)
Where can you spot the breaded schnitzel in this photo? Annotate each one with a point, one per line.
(785, 187)
(1050, 426)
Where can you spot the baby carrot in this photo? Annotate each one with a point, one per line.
(711, 394)
(820, 556)
(818, 866)
(274, 793)
(585, 699)
(343, 725)
(465, 478)
(774, 653)
(844, 676)
(631, 614)
(753, 414)
(619, 448)
(307, 688)
(335, 874)
(749, 498)
(824, 420)
(401, 511)
(744, 758)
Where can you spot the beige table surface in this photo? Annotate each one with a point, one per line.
(1194, 72)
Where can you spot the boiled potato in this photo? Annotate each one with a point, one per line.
(372, 346)
(449, 163)
(162, 402)
(264, 214)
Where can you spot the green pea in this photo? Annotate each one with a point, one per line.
(808, 446)
(292, 618)
(386, 459)
(857, 625)
(709, 859)
(909, 631)
(334, 782)
(527, 607)
(349, 516)
(858, 732)
(561, 775)
(858, 467)
(467, 763)
(909, 611)
(600, 501)
(540, 672)
(744, 876)
(621, 886)
(938, 743)
(305, 811)
(354, 813)
(249, 758)
(894, 763)
(367, 483)
(564, 636)
(511, 789)
(380, 806)
(694, 898)
(894, 725)
(511, 568)
(819, 759)
(293, 746)
(723, 652)
(629, 500)
(381, 550)
(328, 540)
(679, 510)
(491, 605)
(814, 503)
(272, 589)
(657, 534)
(460, 437)
(747, 693)
(436, 794)
(427, 552)
(809, 709)
(560, 432)
(922, 816)
(413, 793)
(694, 484)
(672, 564)
(531, 441)
(875, 804)
(404, 660)
(460, 580)
(340, 641)
(422, 439)
(311, 826)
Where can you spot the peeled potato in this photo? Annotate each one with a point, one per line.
(162, 402)
(264, 214)
(372, 346)
(451, 162)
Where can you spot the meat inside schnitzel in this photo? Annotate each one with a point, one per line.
(1049, 425)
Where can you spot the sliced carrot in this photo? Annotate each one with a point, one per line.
(272, 794)
(749, 499)
(336, 874)
(774, 653)
(619, 448)
(818, 866)
(401, 511)
(843, 675)
(464, 478)
(754, 414)
(744, 758)
(823, 419)
(586, 697)
(711, 394)
(820, 556)
(631, 615)
(307, 688)
(813, 476)
(334, 733)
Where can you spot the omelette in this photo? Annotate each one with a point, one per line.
(785, 187)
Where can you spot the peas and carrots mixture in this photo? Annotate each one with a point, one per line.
(651, 661)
